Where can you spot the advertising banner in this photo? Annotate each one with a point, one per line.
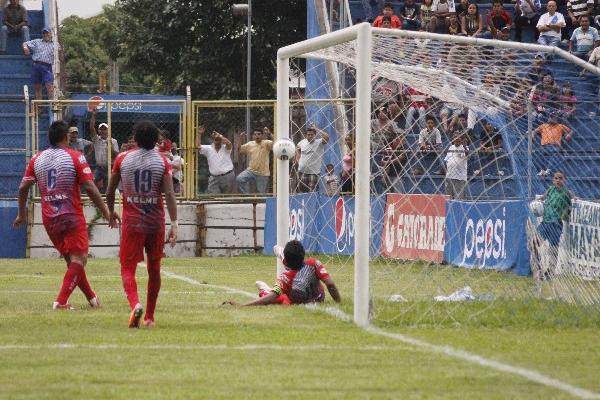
(323, 224)
(487, 235)
(414, 226)
(584, 238)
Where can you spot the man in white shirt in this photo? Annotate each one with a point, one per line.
(430, 143)
(441, 9)
(100, 143)
(550, 25)
(309, 156)
(220, 166)
(456, 167)
(584, 39)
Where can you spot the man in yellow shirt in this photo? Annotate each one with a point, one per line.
(258, 152)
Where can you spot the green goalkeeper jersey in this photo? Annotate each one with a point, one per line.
(557, 204)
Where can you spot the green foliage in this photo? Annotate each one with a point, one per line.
(202, 44)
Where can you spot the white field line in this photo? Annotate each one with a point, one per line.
(216, 347)
(194, 292)
(448, 351)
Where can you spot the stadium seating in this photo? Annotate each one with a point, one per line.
(14, 74)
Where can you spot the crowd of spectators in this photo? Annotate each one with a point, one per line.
(96, 149)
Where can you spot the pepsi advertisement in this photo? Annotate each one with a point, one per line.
(490, 235)
(323, 224)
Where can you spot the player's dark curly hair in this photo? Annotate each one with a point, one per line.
(57, 132)
(293, 253)
(146, 134)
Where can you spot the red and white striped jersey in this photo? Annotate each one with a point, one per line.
(142, 172)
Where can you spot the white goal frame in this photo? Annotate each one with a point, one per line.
(362, 33)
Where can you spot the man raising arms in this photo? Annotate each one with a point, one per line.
(145, 174)
(59, 171)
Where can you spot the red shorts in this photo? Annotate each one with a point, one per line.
(69, 241)
(134, 243)
(281, 299)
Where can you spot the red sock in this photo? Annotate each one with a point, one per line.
(153, 288)
(70, 282)
(85, 287)
(129, 283)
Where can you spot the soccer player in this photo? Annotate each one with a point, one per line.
(145, 174)
(59, 171)
(299, 284)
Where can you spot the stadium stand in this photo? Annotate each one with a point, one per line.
(14, 74)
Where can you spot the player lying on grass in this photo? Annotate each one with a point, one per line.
(299, 284)
(59, 171)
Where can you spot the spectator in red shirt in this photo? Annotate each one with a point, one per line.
(388, 11)
(498, 19)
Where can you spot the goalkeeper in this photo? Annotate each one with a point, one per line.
(299, 284)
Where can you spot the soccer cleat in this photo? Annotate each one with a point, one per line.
(261, 286)
(66, 306)
(94, 302)
(149, 323)
(136, 316)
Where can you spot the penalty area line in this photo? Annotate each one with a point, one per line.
(472, 358)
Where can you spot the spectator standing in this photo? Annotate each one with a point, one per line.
(76, 143)
(332, 182)
(489, 148)
(441, 9)
(425, 14)
(383, 132)
(417, 109)
(100, 143)
(258, 151)
(430, 141)
(15, 21)
(585, 38)
(220, 165)
(388, 11)
(472, 23)
(177, 163)
(577, 9)
(545, 96)
(527, 13)
(456, 167)
(549, 25)
(497, 20)
(410, 15)
(348, 165)
(552, 133)
(129, 144)
(309, 156)
(460, 126)
(42, 55)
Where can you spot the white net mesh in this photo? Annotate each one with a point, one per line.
(463, 136)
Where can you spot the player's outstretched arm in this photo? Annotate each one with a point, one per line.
(95, 196)
(23, 192)
(333, 290)
(167, 188)
(261, 301)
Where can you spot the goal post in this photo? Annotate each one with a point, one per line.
(434, 135)
(362, 34)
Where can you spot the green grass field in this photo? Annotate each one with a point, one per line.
(200, 349)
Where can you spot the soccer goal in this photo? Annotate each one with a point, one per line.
(426, 153)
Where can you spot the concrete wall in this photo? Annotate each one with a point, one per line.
(228, 228)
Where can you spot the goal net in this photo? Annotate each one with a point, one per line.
(419, 160)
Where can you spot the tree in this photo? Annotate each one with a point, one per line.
(90, 46)
(179, 42)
